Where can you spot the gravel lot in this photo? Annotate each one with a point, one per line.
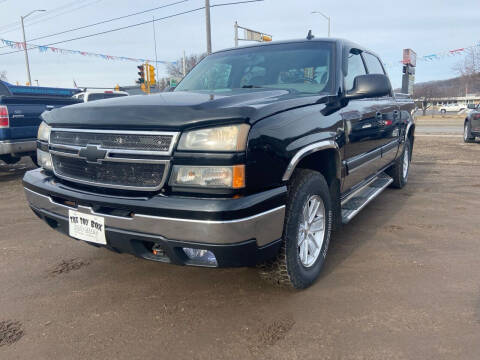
(401, 282)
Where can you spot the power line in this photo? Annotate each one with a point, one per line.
(46, 15)
(43, 19)
(106, 21)
(137, 24)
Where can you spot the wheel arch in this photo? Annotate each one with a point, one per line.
(323, 156)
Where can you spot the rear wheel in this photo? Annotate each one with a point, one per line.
(443, 111)
(467, 133)
(307, 230)
(400, 169)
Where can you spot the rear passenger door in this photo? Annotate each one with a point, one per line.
(362, 149)
(388, 122)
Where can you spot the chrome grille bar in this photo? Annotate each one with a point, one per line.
(73, 160)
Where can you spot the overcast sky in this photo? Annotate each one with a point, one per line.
(384, 26)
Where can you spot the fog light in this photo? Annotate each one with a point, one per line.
(204, 256)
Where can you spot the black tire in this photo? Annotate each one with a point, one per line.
(287, 269)
(467, 133)
(400, 178)
(443, 111)
(9, 159)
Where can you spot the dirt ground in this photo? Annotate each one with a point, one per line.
(402, 281)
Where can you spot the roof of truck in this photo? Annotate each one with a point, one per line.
(344, 42)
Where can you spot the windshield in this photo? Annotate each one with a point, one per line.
(301, 67)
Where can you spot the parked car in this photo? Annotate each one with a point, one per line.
(452, 108)
(258, 154)
(471, 127)
(99, 95)
(20, 118)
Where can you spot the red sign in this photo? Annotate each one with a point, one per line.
(409, 57)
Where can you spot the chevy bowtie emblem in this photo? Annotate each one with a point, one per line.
(92, 153)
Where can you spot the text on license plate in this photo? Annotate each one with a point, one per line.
(86, 227)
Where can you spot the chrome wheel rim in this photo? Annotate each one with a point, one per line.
(406, 162)
(311, 231)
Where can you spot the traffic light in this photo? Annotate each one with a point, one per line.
(151, 75)
(141, 74)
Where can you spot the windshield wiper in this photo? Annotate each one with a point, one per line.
(251, 87)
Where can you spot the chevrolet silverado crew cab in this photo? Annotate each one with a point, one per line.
(258, 154)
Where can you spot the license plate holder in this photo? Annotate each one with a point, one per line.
(86, 227)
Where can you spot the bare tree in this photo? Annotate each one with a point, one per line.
(469, 69)
(175, 70)
(424, 93)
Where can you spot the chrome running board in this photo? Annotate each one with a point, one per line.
(352, 204)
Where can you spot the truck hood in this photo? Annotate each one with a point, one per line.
(177, 110)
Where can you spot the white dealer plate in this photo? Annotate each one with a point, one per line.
(86, 227)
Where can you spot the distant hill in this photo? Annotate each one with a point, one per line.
(448, 88)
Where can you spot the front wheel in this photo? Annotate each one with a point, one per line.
(443, 111)
(467, 133)
(307, 230)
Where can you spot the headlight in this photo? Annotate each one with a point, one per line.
(44, 132)
(44, 160)
(223, 138)
(226, 177)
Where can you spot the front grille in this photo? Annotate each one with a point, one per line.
(114, 140)
(132, 160)
(141, 176)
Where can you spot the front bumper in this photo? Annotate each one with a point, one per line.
(240, 232)
(20, 147)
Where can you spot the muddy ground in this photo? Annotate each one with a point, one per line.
(402, 281)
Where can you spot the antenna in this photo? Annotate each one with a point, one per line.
(310, 35)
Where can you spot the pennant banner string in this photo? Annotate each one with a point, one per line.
(45, 49)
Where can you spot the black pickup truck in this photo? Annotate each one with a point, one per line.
(258, 154)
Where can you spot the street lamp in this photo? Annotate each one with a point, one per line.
(25, 44)
(326, 17)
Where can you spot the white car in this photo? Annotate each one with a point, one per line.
(451, 108)
(99, 95)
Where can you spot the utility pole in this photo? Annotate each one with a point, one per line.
(155, 43)
(326, 17)
(236, 34)
(25, 45)
(209, 28)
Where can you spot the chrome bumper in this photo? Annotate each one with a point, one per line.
(265, 227)
(18, 147)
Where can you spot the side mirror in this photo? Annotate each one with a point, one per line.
(369, 86)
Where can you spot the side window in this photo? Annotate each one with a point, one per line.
(373, 64)
(355, 68)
